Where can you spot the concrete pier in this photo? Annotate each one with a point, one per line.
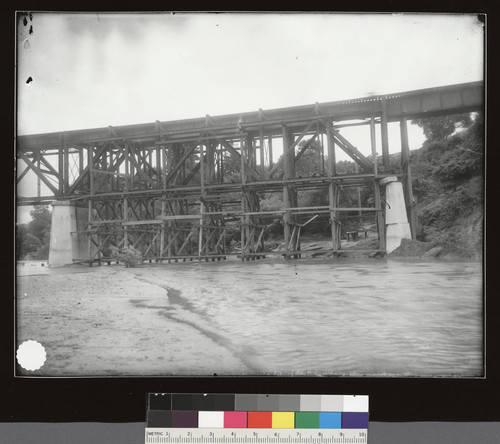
(66, 243)
(396, 220)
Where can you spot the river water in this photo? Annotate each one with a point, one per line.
(373, 317)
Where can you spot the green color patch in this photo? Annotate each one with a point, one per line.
(307, 420)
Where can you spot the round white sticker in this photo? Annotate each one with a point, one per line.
(31, 355)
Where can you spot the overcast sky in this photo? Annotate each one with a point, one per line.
(95, 70)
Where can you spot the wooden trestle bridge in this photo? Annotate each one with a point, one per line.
(163, 187)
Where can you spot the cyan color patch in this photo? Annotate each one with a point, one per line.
(330, 420)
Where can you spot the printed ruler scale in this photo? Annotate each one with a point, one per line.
(255, 436)
(180, 418)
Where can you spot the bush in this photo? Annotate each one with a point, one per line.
(444, 212)
(131, 257)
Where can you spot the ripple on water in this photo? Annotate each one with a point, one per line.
(355, 317)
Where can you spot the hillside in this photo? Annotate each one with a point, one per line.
(448, 184)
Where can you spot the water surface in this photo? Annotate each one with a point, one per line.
(343, 317)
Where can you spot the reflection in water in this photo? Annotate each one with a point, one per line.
(368, 317)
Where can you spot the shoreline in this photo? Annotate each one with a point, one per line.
(120, 345)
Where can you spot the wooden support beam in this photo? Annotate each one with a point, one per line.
(261, 153)
(270, 147)
(207, 240)
(333, 194)
(170, 243)
(195, 169)
(90, 164)
(20, 176)
(182, 217)
(330, 142)
(408, 186)
(380, 215)
(289, 170)
(305, 147)
(352, 151)
(137, 166)
(65, 176)
(47, 164)
(60, 164)
(221, 238)
(151, 244)
(136, 242)
(237, 155)
(259, 240)
(297, 157)
(385, 134)
(301, 135)
(39, 174)
(184, 243)
(180, 163)
(373, 142)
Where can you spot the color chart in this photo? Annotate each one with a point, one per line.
(256, 418)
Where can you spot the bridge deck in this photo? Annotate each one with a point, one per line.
(190, 188)
(411, 104)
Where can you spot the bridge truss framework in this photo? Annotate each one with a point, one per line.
(164, 189)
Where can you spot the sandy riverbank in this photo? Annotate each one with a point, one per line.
(83, 319)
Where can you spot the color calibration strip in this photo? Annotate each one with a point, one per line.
(250, 411)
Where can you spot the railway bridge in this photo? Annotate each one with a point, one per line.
(167, 188)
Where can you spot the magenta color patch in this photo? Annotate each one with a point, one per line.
(235, 420)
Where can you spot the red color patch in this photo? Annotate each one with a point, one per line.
(260, 420)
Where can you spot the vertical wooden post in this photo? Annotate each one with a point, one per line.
(202, 205)
(270, 146)
(358, 195)
(321, 141)
(125, 200)
(251, 152)
(288, 164)
(89, 227)
(332, 188)
(60, 164)
(408, 186)
(162, 171)
(244, 225)
(165, 165)
(162, 226)
(66, 167)
(80, 160)
(385, 135)
(262, 160)
(211, 160)
(219, 154)
(90, 161)
(373, 140)
(38, 181)
(169, 249)
(380, 215)
(158, 166)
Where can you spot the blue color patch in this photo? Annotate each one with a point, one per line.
(330, 420)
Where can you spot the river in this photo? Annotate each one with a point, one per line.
(372, 317)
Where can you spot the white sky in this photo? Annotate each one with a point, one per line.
(95, 70)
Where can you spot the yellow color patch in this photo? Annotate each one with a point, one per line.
(283, 420)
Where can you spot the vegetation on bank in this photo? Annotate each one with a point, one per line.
(32, 238)
(448, 184)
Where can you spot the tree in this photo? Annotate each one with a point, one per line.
(34, 237)
(439, 128)
(310, 162)
(25, 242)
(40, 221)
